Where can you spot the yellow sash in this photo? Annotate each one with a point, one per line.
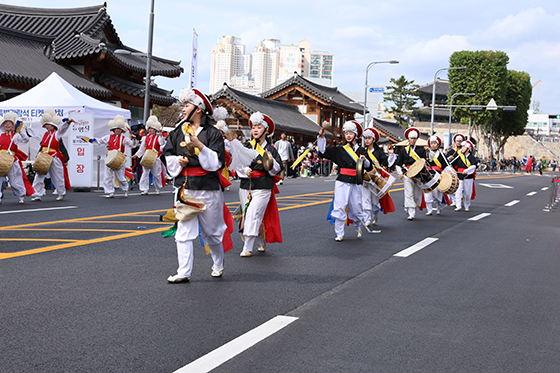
(351, 152)
(464, 159)
(436, 160)
(187, 129)
(257, 146)
(374, 159)
(412, 153)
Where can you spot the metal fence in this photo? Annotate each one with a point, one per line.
(554, 194)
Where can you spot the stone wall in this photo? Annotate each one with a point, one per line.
(525, 145)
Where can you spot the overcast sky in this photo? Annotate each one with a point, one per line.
(422, 35)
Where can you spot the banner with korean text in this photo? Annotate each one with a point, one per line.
(80, 166)
(194, 59)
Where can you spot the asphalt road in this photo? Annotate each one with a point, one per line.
(93, 296)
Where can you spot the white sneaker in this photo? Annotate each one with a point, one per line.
(246, 254)
(176, 279)
(458, 209)
(262, 247)
(410, 218)
(359, 233)
(158, 192)
(438, 212)
(374, 220)
(142, 194)
(429, 213)
(467, 209)
(126, 194)
(338, 239)
(35, 199)
(110, 195)
(21, 200)
(60, 198)
(217, 273)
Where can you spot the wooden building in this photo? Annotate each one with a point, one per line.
(316, 102)
(79, 44)
(287, 118)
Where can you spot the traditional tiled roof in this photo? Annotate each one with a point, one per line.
(286, 117)
(157, 95)
(442, 87)
(390, 129)
(330, 95)
(25, 59)
(80, 32)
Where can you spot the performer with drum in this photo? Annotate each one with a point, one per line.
(465, 163)
(150, 150)
(413, 195)
(50, 159)
(347, 187)
(194, 154)
(378, 158)
(261, 223)
(451, 153)
(437, 162)
(116, 158)
(11, 157)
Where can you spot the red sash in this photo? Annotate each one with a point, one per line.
(348, 171)
(199, 171)
(116, 142)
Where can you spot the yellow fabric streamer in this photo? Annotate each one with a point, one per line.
(300, 158)
(187, 129)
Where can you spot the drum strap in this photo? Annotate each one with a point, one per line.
(351, 152)
(412, 153)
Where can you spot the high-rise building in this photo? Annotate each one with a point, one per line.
(228, 59)
(269, 65)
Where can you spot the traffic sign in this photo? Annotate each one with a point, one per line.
(376, 89)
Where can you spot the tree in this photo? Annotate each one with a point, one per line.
(403, 94)
(486, 75)
(168, 115)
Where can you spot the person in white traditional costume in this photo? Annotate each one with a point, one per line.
(153, 142)
(465, 164)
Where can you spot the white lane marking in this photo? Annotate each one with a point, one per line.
(478, 217)
(531, 194)
(416, 247)
(44, 209)
(228, 351)
(545, 188)
(496, 186)
(514, 202)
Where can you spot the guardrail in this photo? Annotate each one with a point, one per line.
(554, 194)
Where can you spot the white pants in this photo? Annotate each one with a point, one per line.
(15, 177)
(212, 228)
(56, 171)
(109, 182)
(433, 200)
(412, 196)
(370, 204)
(252, 225)
(156, 173)
(465, 188)
(347, 195)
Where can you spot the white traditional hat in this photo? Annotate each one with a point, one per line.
(412, 133)
(371, 132)
(9, 116)
(118, 122)
(222, 126)
(468, 144)
(262, 119)
(352, 126)
(458, 137)
(50, 117)
(197, 98)
(154, 123)
(220, 114)
(435, 138)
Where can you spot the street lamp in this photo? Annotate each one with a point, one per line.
(148, 64)
(451, 108)
(392, 62)
(434, 92)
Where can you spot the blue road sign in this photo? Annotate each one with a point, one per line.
(376, 89)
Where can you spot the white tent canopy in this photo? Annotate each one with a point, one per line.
(56, 93)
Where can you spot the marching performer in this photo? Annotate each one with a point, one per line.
(451, 153)
(11, 157)
(437, 163)
(347, 202)
(50, 146)
(117, 142)
(413, 195)
(370, 201)
(153, 141)
(261, 222)
(465, 164)
(194, 154)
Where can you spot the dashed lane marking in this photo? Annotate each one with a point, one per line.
(480, 216)
(514, 202)
(233, 348)
(545, 188)
(531, 194)
(416, 247)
